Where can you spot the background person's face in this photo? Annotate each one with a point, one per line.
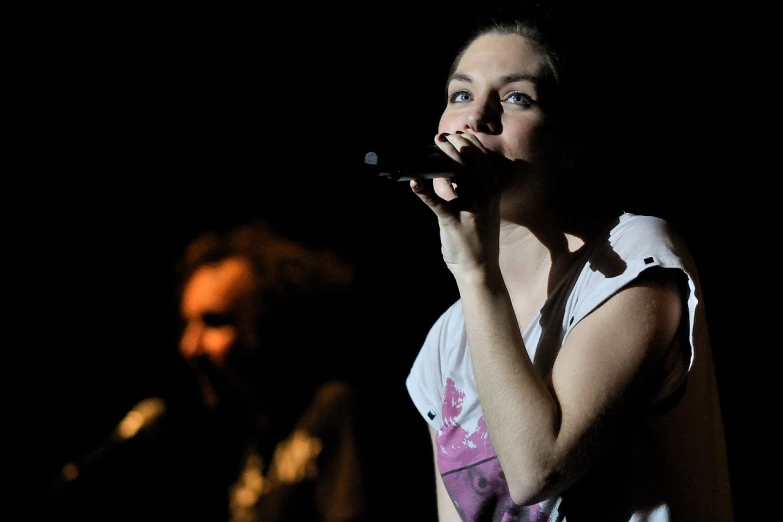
(212, 307)
(215, 309)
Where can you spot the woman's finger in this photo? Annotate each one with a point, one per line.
(424, 188)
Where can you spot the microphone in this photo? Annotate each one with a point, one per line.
(139, 419)
(420, 163)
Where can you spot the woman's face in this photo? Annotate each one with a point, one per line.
(500, 92)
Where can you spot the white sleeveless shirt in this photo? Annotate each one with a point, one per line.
(674, 466)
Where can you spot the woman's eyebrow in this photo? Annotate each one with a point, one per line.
(509, 78)
(521, 77)
(460, 77)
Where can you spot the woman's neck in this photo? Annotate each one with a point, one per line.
(529, 255)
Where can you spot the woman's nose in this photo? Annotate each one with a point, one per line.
(483, 116)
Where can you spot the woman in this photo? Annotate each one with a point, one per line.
(573, 378)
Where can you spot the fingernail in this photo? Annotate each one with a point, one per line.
(442, 136)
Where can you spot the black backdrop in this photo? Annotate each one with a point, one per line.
(145, 127)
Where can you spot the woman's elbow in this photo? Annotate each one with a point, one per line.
(533, 486)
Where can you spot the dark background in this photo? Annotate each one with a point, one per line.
(143, 128)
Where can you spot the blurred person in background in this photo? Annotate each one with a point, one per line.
(260, 420)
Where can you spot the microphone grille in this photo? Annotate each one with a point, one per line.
(371, 158)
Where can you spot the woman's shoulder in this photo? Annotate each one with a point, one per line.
(629, 246)
(641, 225)
(447, 317)
(637, 235)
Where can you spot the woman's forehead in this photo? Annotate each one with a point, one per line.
(503, 54)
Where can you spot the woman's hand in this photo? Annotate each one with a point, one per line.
(467, 208)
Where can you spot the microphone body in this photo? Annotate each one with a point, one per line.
(421, 163)
(140, 418)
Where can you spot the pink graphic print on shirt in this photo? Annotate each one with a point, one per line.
(470, 469)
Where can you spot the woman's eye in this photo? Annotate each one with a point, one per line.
(459, 97)
(520, 98)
